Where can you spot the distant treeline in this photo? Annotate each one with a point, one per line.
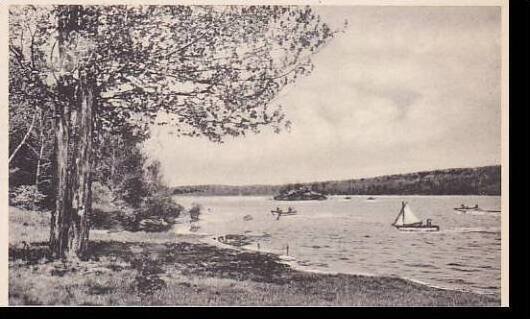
(455, 181)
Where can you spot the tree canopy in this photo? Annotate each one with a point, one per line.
(214, 70)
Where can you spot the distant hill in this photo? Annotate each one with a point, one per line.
(454, 181)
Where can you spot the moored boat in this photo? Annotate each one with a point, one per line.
(407, 221)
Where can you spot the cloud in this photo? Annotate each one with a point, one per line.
(403, 89)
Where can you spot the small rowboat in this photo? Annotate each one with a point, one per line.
(467, 209)
(278, 212)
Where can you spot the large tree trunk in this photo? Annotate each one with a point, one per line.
(74, 129)
(60, 218)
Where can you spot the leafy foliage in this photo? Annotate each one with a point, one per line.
(26, 196)
(214, 70)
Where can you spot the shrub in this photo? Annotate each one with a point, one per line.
(195, 212)
(115, 220)
(161, 205)
(101, 194)
(132, 190)
(157, 213)
(27, 197)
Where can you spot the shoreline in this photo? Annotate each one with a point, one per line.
(291, 262)
(335, 196)
(139, 268)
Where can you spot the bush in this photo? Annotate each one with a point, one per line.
(195, 212)
(132, 190)
(157, 213)
(101, 194)
(27, 197)
(161, 205)
(115, 220)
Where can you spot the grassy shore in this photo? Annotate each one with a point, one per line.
(126, 268)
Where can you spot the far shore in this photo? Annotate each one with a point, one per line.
(139, 268)
(337, 195)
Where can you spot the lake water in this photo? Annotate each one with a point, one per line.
(355, 236)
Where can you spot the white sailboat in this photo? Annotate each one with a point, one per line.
(407, 221)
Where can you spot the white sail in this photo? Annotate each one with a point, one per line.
(410, 218)
(399, 219)
(406, 217)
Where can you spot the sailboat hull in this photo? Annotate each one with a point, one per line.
(432, 228)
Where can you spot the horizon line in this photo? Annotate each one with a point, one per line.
(335, 180)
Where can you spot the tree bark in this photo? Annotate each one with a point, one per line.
(61, 213)
(79, 168)
(74, 130)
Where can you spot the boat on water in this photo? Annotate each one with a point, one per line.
(407, 221)
(467, 209)
(279, 212)
(370, 198)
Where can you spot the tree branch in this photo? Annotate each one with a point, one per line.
(33, 149)
(187, 45)
(197, 39)
(25, 137)
(19, 58)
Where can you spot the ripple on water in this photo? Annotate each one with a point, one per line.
(485, 267)
(463, 270)
(419, 265)
(455, 264)
(464, 254)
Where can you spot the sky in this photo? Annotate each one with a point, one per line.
(403, 89)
